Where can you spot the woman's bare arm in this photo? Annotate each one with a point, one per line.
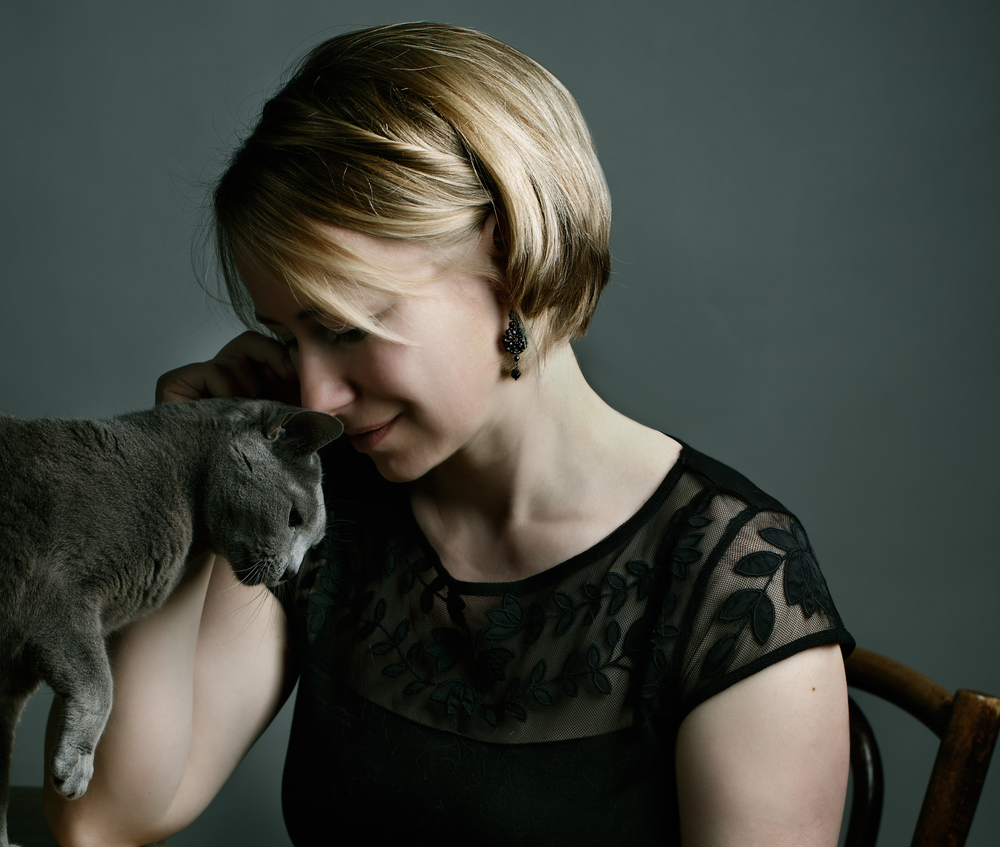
(196, 683)
(765, 763)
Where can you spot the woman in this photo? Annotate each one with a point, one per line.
(533, 620)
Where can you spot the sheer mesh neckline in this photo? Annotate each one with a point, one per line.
(430, 691)
(708, 581)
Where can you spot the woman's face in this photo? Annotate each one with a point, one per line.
(410, 407)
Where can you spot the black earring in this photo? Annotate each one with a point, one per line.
(515, 342)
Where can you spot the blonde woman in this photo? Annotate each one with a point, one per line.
(533, 620)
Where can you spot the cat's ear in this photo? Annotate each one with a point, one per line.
(305, 431)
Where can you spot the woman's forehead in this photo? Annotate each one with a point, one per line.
(364, 277)
(278, 303)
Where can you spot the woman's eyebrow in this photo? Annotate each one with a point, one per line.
(305, 313)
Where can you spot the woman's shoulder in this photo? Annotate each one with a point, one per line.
(743, 587)
(725, 479)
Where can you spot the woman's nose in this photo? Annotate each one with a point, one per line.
(323, 386)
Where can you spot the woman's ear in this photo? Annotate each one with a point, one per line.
(492, 230)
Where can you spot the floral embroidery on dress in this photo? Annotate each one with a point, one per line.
(510, 623)
(616, 628)
(803, 585)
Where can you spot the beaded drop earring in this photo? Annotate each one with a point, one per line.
(515, 342)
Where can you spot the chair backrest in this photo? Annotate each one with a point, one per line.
(967, 724)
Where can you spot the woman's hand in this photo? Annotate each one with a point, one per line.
(251, 365)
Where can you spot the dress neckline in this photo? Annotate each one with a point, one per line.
(557, 572)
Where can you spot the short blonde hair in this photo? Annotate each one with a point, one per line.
(420, 131)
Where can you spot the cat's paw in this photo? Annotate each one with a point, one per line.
(72, 769)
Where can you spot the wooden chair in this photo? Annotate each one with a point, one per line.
(967, 724)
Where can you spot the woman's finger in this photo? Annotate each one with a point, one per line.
(251, 365)
(260, 349)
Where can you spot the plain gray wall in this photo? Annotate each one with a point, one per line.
(807, 202)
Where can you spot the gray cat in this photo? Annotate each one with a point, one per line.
(97, 521)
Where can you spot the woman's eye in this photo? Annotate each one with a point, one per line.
(333, 335)
(345, 335)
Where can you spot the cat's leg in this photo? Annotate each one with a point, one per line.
(78, 671)
(14, 693)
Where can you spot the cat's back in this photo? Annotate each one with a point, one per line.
(25, 447)
(53, 471)
(79, 481)
(56, 473)
(45, 453)
(27, 501)
(30, 452)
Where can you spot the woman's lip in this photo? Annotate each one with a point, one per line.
(368, 439)
(350, 433)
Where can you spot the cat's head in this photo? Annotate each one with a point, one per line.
(264, 504)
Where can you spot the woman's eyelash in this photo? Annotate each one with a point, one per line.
(345, 335)
(342, 335)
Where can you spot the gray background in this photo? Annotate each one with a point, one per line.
(805, 285)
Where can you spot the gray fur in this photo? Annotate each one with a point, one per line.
(97, 522)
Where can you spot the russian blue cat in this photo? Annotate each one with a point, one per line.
(98, 520)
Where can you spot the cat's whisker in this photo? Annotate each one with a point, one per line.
(245, 615)
(235, 586)
(140, 484)
(258, 602)
(272, 621)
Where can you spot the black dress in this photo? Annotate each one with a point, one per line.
(543, 711)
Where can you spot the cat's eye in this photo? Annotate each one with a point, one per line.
(294, 518)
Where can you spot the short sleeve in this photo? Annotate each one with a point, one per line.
(744, 591)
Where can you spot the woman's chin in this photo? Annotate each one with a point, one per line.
(394, 468)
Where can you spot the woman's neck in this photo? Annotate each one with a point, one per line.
(559, 471)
